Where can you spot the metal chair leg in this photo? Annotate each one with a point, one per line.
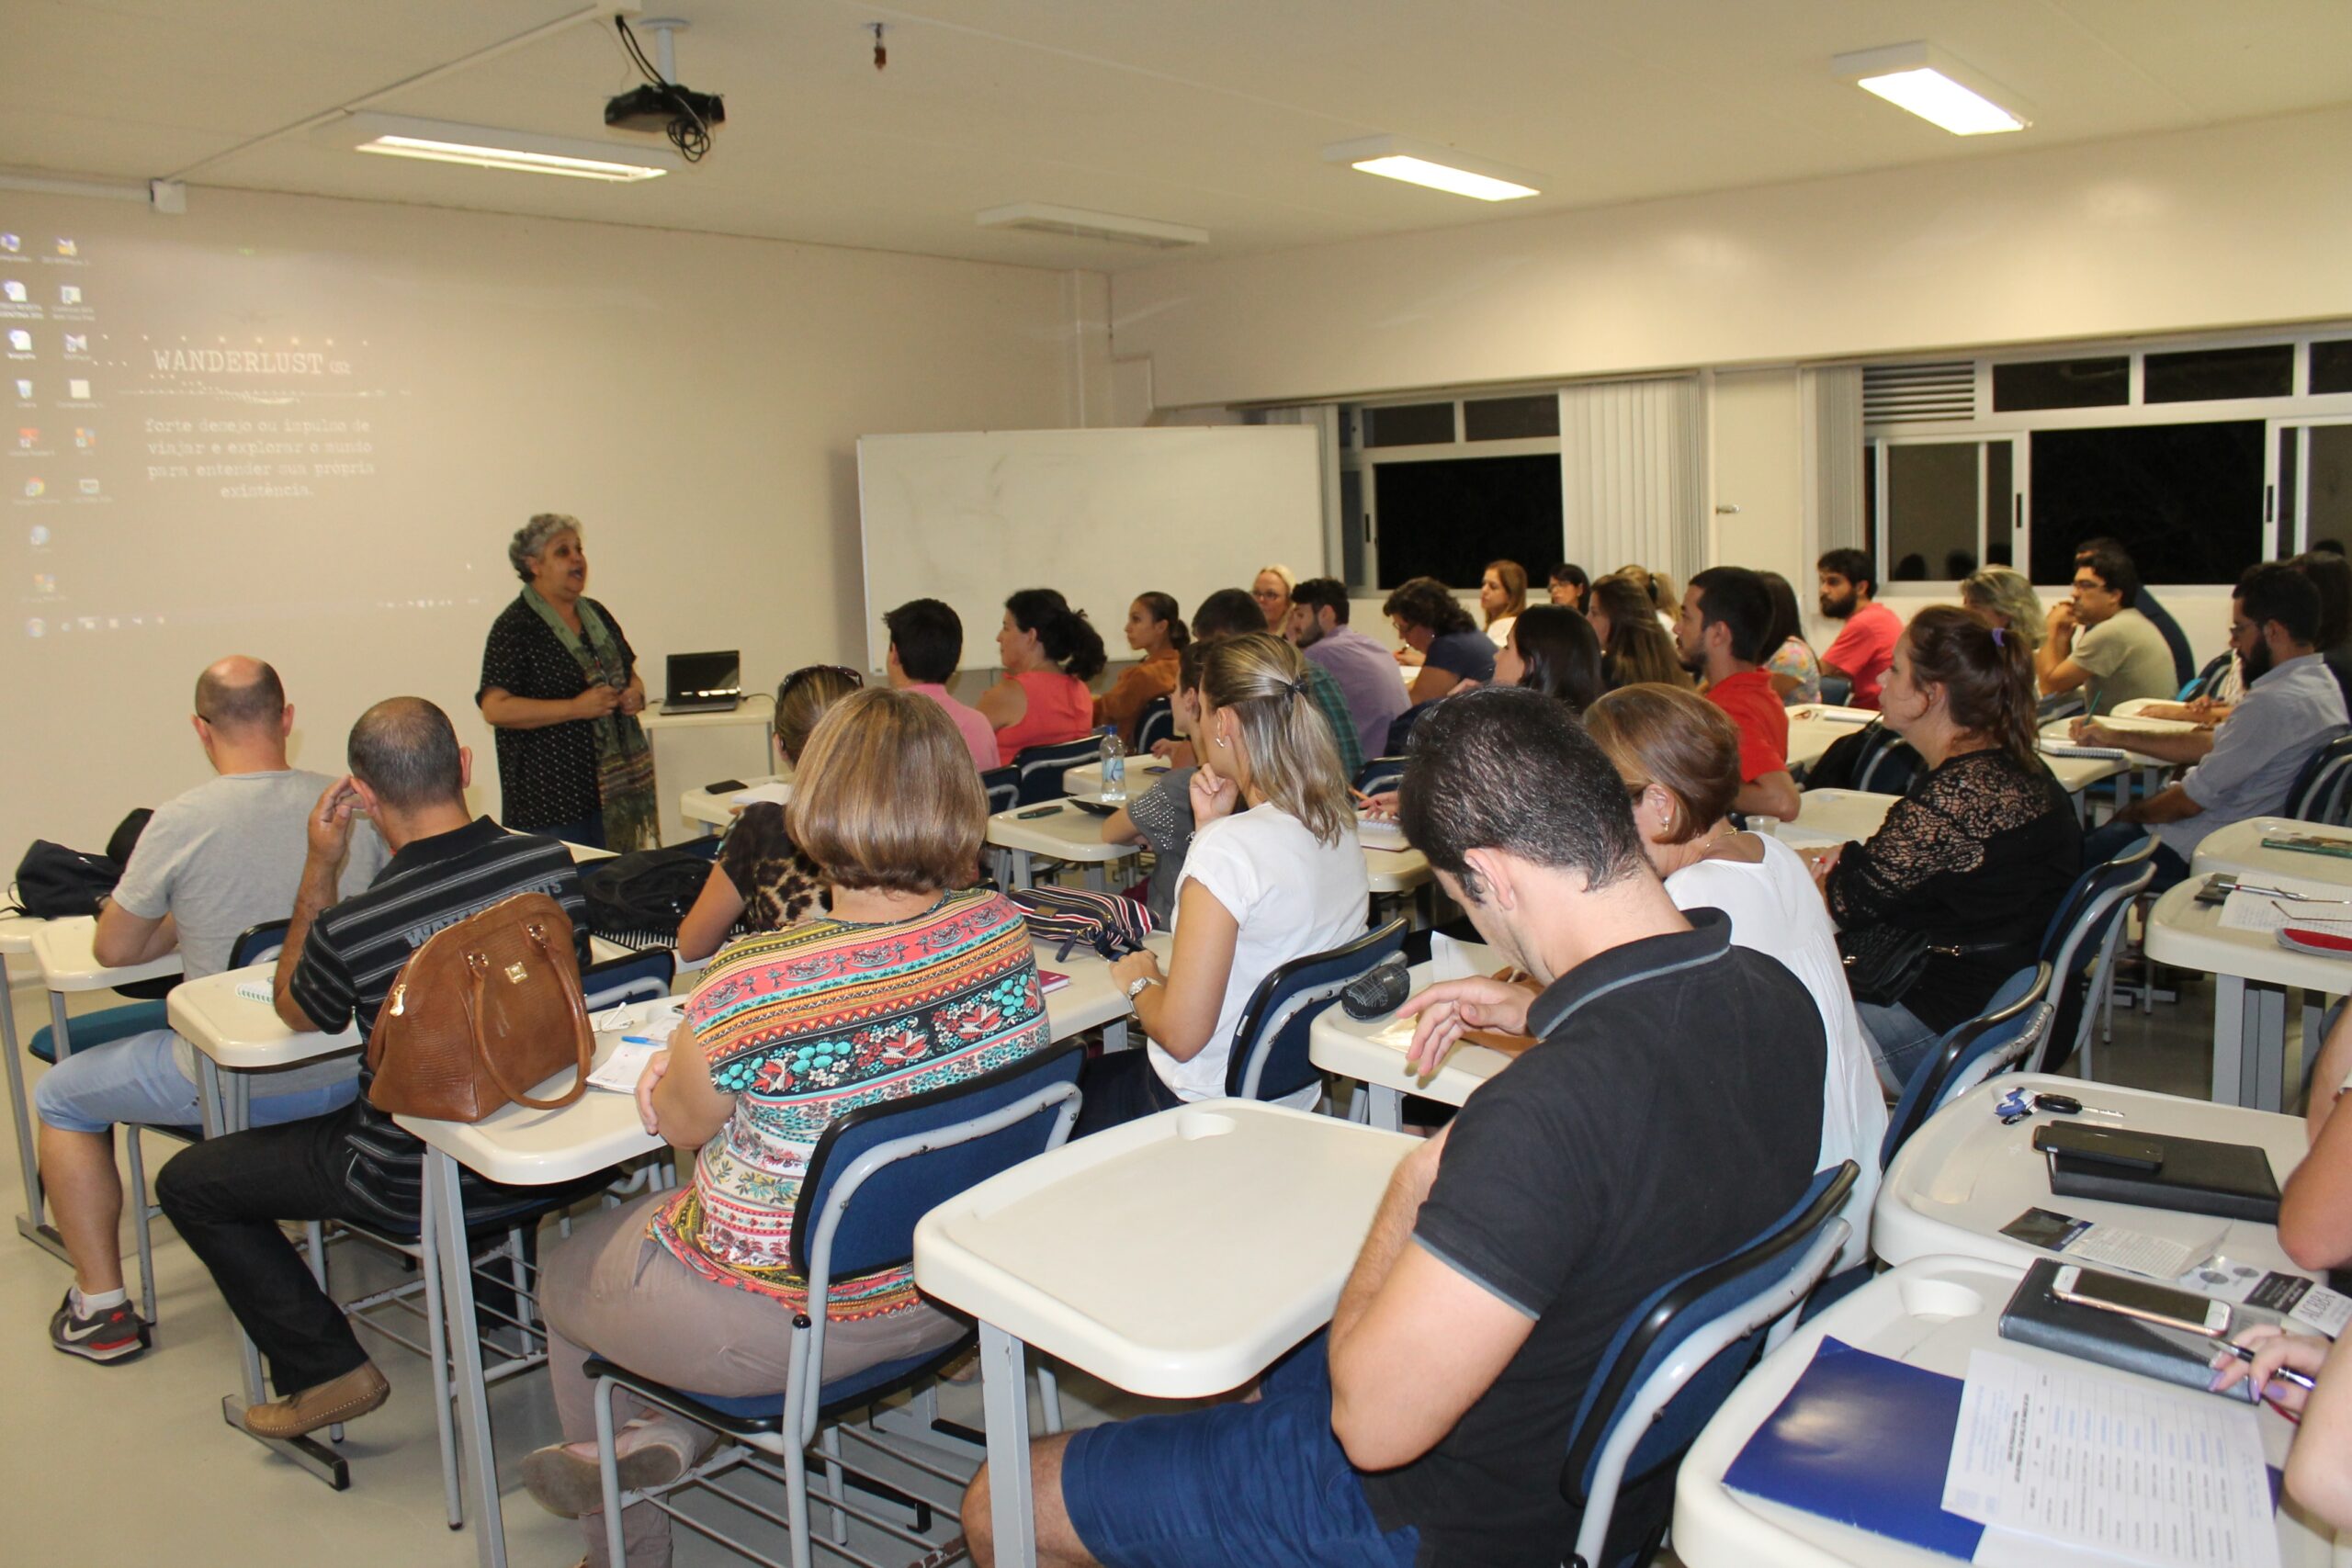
(143, 1236)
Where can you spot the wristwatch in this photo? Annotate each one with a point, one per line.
(1135, 986)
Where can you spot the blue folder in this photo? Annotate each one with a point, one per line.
(1863, 1441)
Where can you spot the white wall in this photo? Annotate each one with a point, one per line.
(693, 399)
(2229, 225)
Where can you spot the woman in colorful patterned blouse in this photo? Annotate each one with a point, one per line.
(915, 980)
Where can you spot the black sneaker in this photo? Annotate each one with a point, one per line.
(110, 1334)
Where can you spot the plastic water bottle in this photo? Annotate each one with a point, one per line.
(1115, 767)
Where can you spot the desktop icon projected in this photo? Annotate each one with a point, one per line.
(78, 390)
(12, 244)
(67, 248)
(84, 440)
(20, 342)
(24, 391)
(89, 486)
(15, 291)
(28, 437)
(77, 342)
(67, 294)
(34, 488)
(40, 534)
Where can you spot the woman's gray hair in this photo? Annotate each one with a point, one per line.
(1998, 588)
(530, 541)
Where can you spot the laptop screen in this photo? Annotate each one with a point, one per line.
(706, 675)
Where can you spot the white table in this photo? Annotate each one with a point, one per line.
(1151, 1256)
(698, 746)
(525, 1147)
(1931, 1312)
(1142, 773)
(1057, 830)
(1814, 727)
(1826, 817)
(712, 813)
(2252, 976)
(1964, 1175)
(61, 950)
(1353, 1049)
(2237, 850)
(235, 1038)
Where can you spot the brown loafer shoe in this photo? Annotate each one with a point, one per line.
(345, 1398)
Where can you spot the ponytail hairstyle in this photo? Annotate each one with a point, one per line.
(1293, 759)
(1068, 638)
(1987, 673)
(1163, 610)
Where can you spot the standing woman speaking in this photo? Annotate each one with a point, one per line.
(560, 685)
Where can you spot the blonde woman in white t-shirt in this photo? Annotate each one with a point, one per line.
(1679, 755)
(1275, 873)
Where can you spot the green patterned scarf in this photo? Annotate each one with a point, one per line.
(623, 760)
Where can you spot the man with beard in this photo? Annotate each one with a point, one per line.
(1865, 647)
(2291, 705)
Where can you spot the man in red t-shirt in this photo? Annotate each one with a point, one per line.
(1724, 634)
(1865, 648)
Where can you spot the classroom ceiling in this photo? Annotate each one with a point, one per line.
(1209, 113)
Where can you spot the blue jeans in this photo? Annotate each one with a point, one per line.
(138, 1079)
(1899, 1042)
(1258, 1485)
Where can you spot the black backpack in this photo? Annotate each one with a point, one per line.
(643, 893)
(53, 882)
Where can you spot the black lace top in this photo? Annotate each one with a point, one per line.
(1982, 849)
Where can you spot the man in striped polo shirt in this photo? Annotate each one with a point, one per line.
(226, 1195)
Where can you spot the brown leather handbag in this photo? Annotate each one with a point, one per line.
(486, 1009)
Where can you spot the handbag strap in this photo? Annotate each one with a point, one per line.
(576, 1009)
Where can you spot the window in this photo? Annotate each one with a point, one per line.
(1947, 505)
(1449, 517)
(2200, 375)
(2332, 366)
(1409, 425)
(2185, 499)
(1511, 418)
(2062, 384)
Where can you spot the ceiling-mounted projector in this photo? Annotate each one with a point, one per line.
(655, 109)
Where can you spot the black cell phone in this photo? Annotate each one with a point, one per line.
(723, 787)
(1035, 812)
(2099, 1145)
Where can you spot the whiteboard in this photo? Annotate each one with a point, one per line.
(1103, 515)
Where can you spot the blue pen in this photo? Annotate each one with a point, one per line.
(638, 1040)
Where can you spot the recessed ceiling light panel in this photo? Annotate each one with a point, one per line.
(1042, 217)
(1932, 85)
(1439, 168)
(489, 147)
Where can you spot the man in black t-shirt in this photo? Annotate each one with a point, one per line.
(1671, 1111)
(226, 1195)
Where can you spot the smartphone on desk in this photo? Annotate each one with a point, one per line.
(2101, 1145)
(2142, 1299)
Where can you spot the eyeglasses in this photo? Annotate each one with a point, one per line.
(1265, 594)
(2089, 585)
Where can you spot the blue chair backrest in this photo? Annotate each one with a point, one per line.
(642, 977)
(1836, 690)
(1004, 787)
(2080, 941)
(2203, 682)
(1400, 729)
(1379, 773)
(878, 1230)
(1670, 1318)
(2322, 791)
(2013, 1022)
(1041, 767)
(1155, 723)
(1890, 765)
(257, 945)
(1268, 1057)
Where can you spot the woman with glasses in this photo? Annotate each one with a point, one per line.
(1272, 589)
(761, 878)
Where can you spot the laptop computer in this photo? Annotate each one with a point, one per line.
(704, 683)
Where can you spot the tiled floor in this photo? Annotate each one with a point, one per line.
(131, 1464)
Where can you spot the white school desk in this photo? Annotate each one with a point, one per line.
(1931, 1312)
(714, 813)
(525, 1147)
(60, 950)
(1814, 727)
(16, 941)
(1143, 771)
(235, 1038)
(1058, 831)
(694, 748)
(2252, 976)
(1151, 1256)
(1964, 1175)
(1827, 818)
(2237, 850)
(1348, 1046)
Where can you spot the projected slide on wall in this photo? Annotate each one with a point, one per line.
(142, 412)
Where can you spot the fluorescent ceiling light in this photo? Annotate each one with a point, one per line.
(1935, 86)
(487, 147)
(1440, 168)
(1045, 218)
